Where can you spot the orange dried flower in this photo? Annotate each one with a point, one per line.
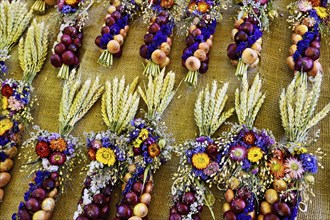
(315, 3)
(58, 145)
(192, 7)
(92, 154)
(203, 7)
(166, 3)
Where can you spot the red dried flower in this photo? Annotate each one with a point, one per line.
(92, 154)
(6, 90)
(249, 138)
(42, 149)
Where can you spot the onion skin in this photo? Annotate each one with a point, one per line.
(193, 63)
(249, 56)
(290, 62)
(158, 56)
(4, 179)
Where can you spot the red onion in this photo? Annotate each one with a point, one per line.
(282, 209)
(39, 193)
(71, 31)
(66, 39)
(189, 198)
(240, 36)
(237, 205)
(190, 40)
(48, 184)
(110, 21)
(247, 27)
(312, 52)
(148, 38)
(196, 32)
(182, 208)
(229, 215)
(24, 215)
(131, 198)
(124, 211)
(98, 41)
(33, 205)
(56, 60)
(175, 216)
(99, 199)
(143, 54)
(68, 58)
(231, 51)
(92, 211)
(60, 48)
(315, 44)
(154, 28)
(73, 48)
(105, 30)
(271, 216)
(137, 187)
(304, 64)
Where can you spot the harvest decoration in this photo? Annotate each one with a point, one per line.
(107, 150)
(149, 148)
(17, 100)
(200, 158)
(202, 17)
(69, 40)
(309, 20)
(15, 18)
(253, 19)
(115, 30)
(244, 153)
(292, 165)
(51, 156)
(161, 14)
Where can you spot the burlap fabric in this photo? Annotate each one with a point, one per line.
(179, 116)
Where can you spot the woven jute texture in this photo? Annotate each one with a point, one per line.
(179, 115)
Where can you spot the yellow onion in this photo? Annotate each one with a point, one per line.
(200, 54)
(301, 29)
(6, 165)
(149, 187)
(265, 208)
(41, 214)
(249, 56)
(252, 214)
(260, 217)
(123, 33)
(259, 41)
(53, 193)
(229, 195)
(48, 204)
(256, 47)
(271, 196)
(209, 42)
(234, 183)
(4, 178)
(238, 22)
(127, 177)
(158, 56)
(204, 46)
(11, 152)
(111, 9)
(292, 49)
(296, 38)
(279, 185)
(145, 198)
(166, 48)
(169, 41)
(126, 28)
(225, 207)
(116, 3)
(113, 46)
(135, 218)
(193, 63)
(192, 27)
(119, 38)
(290, 62)
(317, 67)
(233, 32)
(123, 186)
(140, 210)
(165, 63)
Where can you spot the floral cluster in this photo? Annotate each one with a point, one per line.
(308, 25)
(204, 158)
(16, 100)
(148, 147)
(157, 40)
(290, 171)
(204, 16)
(113, 34)
(39, 200)
(68, 6)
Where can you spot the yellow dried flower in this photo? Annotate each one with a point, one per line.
(200, 160)
(106, 156)
(5, 125)
(4, 103)
(321, 12)
(254, 154)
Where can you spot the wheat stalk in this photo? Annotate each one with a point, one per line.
(159, 93)
(209, 115)
(33, 50)
(117, 117)
(82, 100)
(14, 18)
(248, 101)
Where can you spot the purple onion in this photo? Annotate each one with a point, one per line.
(71, 31)
(247, 27)
(312, 52)
(68, 58)
(143, 54)
(92, 211)
(231, 51)
(175, 216)
(240, 36)
(33, 205)
(39, 193)
(131, 198)
(229, 215)
(124, 211)
(110, 21)
(66, 39)
(182, 208)
(189, 198)
(60, 48)
(116, 15)
(56, 60)
(304, 64)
